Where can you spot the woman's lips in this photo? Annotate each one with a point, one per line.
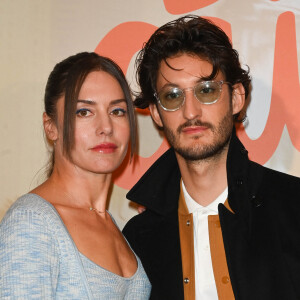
(105, 148)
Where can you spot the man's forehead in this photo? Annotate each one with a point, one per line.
(184, 66)
(186, 63)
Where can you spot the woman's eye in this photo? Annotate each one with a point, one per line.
(118, 112)
(83, 112)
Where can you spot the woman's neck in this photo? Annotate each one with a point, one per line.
(75, 187)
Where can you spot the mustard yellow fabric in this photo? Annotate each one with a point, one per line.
(219, 262)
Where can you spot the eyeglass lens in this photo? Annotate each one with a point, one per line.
(207, 92)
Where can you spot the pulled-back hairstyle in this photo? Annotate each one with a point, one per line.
(66, 80)
(192, 35)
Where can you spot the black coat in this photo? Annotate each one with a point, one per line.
(261, 239)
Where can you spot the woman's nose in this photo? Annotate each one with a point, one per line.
(104, 126)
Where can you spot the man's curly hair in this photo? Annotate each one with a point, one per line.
(192, 35)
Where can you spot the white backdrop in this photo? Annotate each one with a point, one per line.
(36, 34)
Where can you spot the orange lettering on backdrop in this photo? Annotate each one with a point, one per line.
(177, 7)
(120, 44)
(123, 41)
(285, 100)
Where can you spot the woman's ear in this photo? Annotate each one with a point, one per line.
(155, 114)
(50, 128)
(238, 98)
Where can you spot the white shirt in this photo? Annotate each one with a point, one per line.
(205, 286)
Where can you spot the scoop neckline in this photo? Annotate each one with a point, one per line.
(81, 254)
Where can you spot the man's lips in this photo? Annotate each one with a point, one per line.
(194, 129)
(105, 148)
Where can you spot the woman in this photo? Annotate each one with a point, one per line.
(59, 241)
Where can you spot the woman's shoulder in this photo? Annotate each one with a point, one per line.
(31, 203)
(31, 208)
(31, 220)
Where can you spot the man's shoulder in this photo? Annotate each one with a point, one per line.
(149, 226)
(142, 222)
(277, 176)
(279, 189)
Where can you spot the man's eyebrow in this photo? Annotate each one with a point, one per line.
(169, 83)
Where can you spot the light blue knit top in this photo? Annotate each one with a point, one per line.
(39, 260)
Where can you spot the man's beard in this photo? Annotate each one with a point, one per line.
(221, 138)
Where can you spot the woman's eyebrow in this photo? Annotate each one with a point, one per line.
(91, 102)
(117, 101)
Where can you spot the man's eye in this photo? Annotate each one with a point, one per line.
(207, 90)
(83, 112)
(172, 94)
(118, 112)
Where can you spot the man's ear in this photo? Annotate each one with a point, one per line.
(155, 114)
(50, 128)
(238, 98)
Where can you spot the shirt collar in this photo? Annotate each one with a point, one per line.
(193, 206)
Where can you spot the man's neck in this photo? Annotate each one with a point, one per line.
(206, 179)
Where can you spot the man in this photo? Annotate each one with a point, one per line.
(216, 225)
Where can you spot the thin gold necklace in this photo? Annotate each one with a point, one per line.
(97, 211)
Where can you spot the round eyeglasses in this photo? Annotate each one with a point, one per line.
(172, 98)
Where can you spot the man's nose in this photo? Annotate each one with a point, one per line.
(192, 106)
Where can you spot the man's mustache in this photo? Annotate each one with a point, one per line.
(194, 123)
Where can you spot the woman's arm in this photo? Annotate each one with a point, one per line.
(29, 258)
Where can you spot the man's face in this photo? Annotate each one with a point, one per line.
(196, 131)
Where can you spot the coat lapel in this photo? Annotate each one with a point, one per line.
(161, 258)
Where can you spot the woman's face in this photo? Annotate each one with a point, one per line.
(102, 128)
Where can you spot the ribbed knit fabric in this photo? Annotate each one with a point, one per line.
(39, 260)
(108, 285)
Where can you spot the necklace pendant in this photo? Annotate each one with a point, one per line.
(97, 211)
